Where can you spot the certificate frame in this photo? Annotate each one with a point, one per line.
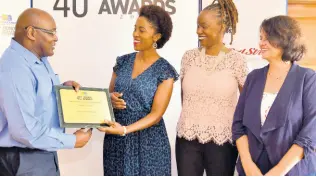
(65, 124)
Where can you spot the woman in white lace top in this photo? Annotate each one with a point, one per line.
(210, 77)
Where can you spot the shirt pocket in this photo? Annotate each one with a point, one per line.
(55, 79)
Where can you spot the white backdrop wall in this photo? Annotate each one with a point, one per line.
(88, 46)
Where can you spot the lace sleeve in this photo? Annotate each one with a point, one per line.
(184, 64)
(240, 68)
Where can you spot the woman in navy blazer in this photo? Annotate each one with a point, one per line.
(274, 124)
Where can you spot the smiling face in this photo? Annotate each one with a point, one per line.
(144, 35)
(36, 30)
(268, 51)
(48, 40)
(209, 30)
(44, 36)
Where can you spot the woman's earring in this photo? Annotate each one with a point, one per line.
(287, 62)
(155, 45)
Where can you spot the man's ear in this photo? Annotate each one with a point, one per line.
(30, 33)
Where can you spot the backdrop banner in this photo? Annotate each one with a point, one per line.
(9, 12)
(93, 33)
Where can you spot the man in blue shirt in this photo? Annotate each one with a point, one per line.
(30, 133)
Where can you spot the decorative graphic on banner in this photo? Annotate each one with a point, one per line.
(6, 25)
(9, 12)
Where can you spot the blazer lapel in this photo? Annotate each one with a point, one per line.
(277, 115)
(252, 120)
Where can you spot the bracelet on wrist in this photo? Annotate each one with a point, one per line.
(124, 131)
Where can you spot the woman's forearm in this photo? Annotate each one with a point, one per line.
(148, 121)
(243, 149)
(289, 160)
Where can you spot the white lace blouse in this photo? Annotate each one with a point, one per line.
(210, 95)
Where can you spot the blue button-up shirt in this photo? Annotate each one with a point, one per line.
(28, 107)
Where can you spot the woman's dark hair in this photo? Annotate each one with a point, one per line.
(227, 12)
(284, 32)
(161, 21)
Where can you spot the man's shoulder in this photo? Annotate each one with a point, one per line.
(14, 68)
(13, 61)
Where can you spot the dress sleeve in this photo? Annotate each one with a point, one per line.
(168, 72)
(118, 64)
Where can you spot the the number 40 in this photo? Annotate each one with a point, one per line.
(65, 8)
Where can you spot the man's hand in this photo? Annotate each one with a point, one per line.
(73, 84)
(82, 137)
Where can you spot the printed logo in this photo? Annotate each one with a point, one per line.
(7, 25)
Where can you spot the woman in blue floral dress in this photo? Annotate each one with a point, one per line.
(141, 87)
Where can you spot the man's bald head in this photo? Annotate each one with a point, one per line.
(36, 31)
(32, 17)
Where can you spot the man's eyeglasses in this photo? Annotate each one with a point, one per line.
(51, 32)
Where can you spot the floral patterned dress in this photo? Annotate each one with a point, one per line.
(146, 152)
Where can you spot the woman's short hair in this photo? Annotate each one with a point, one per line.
(285, 33)
(161, 21)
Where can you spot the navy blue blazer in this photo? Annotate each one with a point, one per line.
(291, 119)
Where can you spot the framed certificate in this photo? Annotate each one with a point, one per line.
(87, 108)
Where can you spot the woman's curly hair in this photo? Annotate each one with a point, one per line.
(161, 21)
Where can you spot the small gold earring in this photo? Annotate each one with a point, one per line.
(155, 45)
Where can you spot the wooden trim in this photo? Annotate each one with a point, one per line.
(311, 66)
(303, 5)
(305, 12)
(303, 18)
(305, 2)
(302, 11)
